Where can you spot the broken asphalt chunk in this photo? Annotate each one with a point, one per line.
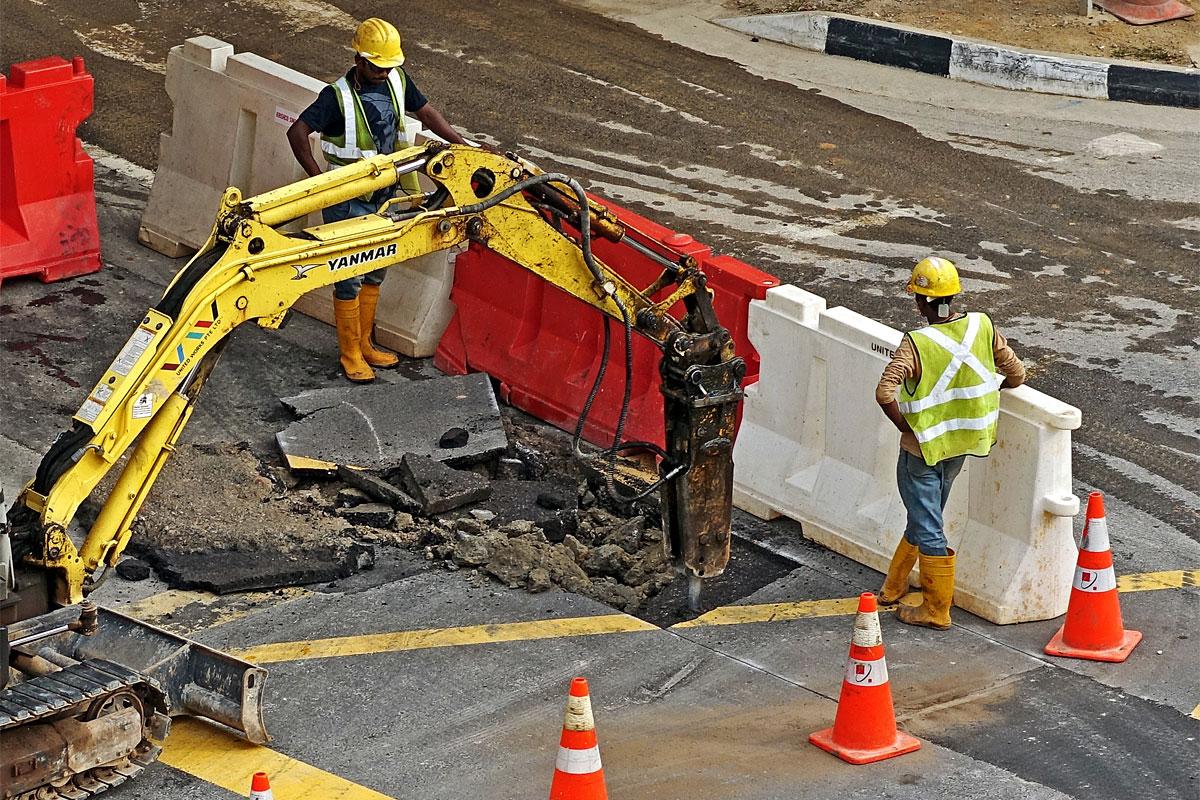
(454, 438)
(439, 488)
(228, 571)
(379, 489)
(373, 515)
(372, 427)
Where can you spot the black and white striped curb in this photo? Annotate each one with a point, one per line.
(976, 62)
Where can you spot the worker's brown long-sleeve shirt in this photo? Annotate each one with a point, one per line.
(906, 366)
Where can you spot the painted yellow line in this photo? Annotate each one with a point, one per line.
(160, 609)
(781, 612)
(612, 623)
(160, 605)
(224, 760)
(1150, 581)
(445, 637)
(773, 612)
(1195, 713)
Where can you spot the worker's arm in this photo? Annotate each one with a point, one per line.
(297, 136)
(903, 366)
(433, 120)
(1007, 363)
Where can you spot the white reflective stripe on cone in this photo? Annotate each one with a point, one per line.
(579, 714)
(866, 630)
(1094, 580)
(866, 673)
(578, 762)
(1095, 536)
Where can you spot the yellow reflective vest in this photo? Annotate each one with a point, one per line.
(355, 142)
(954, 407)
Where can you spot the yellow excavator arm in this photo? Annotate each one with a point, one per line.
(252, 270)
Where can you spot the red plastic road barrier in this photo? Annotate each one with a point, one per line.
(544, 346)
(47, 200)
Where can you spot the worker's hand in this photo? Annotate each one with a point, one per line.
(491, 148)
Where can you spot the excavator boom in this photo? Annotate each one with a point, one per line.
(252, 270)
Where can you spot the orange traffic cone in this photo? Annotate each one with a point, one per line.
(864, 729)
(1145, 12)
(1093, 629)
(578, 774)
(260, 787)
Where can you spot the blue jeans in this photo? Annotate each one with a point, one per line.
(349, 288)
(924, 490)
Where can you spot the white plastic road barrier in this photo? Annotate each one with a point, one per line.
(814, 446)
(231, 115)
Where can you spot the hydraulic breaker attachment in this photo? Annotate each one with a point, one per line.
(700, 404)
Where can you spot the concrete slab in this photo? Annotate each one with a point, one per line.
(373, 427)
(1068, 732)
(811, 652)
(1153, 671)
(674, 719)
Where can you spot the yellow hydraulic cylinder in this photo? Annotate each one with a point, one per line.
(110, 532)
(362, 178)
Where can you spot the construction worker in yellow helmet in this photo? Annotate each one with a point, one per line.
(360, 115)
(942, 392)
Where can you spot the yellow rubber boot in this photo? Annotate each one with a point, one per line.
(368, 300)
(345, 316)
(937, 594)
(895, 585)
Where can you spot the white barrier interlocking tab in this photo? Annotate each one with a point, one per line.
(814, 446)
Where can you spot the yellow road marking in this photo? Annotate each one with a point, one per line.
(224, 760)
(157, 608)
(1150, 581)
(445, 637)
(1195, 713)
(612, 623)
(773, 612)
(159, 605)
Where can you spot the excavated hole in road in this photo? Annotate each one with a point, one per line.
(543, 529)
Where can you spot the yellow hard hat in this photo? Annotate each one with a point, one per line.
(378, 41)
(934, 277)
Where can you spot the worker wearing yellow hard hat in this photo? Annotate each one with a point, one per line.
(360, 115)
(942, 392)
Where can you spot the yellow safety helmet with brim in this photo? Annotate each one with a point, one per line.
(378, 41)
(934, 277)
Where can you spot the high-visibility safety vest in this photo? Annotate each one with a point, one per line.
(955, 405)
(356, 143)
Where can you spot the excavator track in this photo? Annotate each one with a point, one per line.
(84, 692)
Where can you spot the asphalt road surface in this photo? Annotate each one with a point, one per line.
(1075, 224)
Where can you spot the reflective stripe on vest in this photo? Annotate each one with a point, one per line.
(951, 421)
(356, 142)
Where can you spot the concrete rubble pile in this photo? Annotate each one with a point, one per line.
(515, 507)
(507, 521)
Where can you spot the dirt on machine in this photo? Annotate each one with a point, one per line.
(88, 694)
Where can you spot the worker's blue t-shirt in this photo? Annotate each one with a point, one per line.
(325, 116)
